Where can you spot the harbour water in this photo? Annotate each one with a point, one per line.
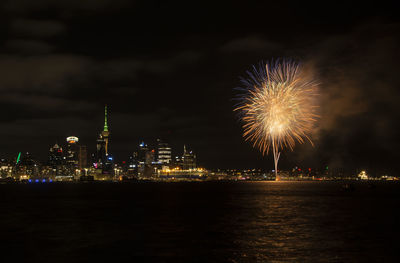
(200, 222)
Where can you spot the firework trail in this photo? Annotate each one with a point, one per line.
(277, 105)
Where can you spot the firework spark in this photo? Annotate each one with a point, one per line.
(277, 106)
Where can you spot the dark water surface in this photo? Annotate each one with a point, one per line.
(200, 222)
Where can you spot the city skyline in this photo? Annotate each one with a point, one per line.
(104, 135)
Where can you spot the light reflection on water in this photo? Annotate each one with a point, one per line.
(201, 222)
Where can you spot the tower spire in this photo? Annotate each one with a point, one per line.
(105, 119)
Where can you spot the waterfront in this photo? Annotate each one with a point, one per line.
(200, 222)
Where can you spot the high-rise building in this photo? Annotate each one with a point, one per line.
(82, 157)
(55, 156)
(163, 152)
(132, 168)
(188, 159)
(142, 152)
(150, 157)
(149, 166)
(146, 162)
(56, 161)
(71, 156)
(178, 162)
(71, 153)
(141, 158)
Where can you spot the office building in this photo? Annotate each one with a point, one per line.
(71, 153)
(188, 159)
(163, 152)
(82, 157)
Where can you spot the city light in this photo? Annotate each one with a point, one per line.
(152, 161)
(72, 139)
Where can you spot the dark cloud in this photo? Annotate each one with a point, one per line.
(130, 67)
(41, 74)
(37, 28)
(249, 44)
(28, 7)
(28, 47)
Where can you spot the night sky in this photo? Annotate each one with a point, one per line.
(169, 70)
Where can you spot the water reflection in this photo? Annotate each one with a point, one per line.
(200, 222)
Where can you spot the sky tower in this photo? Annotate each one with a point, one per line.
(105, 133)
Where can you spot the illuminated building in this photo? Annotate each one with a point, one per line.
(56, 160)
(72, 140)
(163, 152)
(363, 175)
(6, 168)
(176, 173)
(27, 166)
(108, 165)
(188, 159)
(142, 152)
(104, 161)
(55, 156)
(105, 134)
(178, 162)
(145, 161)
(150, 164)
(132, 166)
(71, 154)
(141, 158)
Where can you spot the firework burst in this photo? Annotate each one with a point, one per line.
(277, 106)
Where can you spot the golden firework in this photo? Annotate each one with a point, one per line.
(277, 106)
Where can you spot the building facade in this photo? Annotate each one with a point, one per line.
(164, 153)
